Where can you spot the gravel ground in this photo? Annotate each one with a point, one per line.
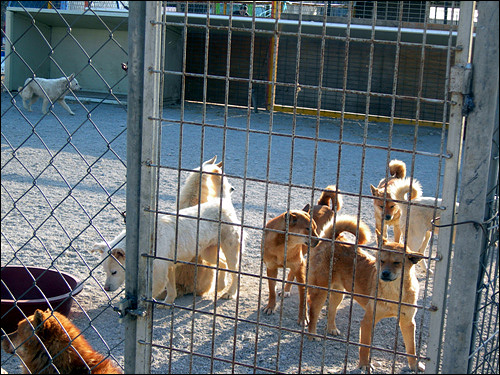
(80, 191)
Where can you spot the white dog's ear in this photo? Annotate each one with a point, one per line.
(119, 254)
(100, 247)
(71, 77)
(211, 161)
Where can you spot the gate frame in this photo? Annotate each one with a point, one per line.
(143, 137)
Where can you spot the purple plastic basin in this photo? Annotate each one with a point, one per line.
(51, 287)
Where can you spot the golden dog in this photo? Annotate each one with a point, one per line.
(384, 207)
(300, 223)
(369, 281)
(48, 343)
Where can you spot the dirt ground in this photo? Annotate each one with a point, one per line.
(78, 164)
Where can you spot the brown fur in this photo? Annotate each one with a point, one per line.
(69, 350)
(385, 208)
(368, 281)
(322, 214)
(296, 249)
(190, 196)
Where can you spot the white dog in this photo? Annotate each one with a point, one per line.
(48, 89)
(420, 222)
(200, 188)
(164, 273)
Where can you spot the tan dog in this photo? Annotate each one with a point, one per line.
(47, 335)
(385, 284)
(300, 223)
(385, 208)
(54, 89)
(420, 221)
(322, 214)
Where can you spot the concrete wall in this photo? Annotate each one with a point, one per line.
(30, 52)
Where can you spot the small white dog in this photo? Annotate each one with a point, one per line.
(231, 244)
(48, 89)
(420, 222)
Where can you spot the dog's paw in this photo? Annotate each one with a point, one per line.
(285, 294)
(366, 368)
(302, 322)
(227, 296)
(269, 309)
(421, 367)
(334, 332)
(313, 338)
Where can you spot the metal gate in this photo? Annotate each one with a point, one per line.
(291, 97)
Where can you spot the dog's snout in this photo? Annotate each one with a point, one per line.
(106, 288)
(386, 275)
(388, 217)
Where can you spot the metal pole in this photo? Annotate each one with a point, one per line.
(450, 185)
(470, 238)
(142, 145)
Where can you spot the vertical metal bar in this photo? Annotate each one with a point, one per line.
(142, 145)
(470, 238)
(450, 182)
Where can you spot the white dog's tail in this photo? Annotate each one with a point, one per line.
(400, 188)
(397, 168)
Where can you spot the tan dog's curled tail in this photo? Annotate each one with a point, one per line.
(330, 195)
(397, 168)
(400, 188)
(348, 223)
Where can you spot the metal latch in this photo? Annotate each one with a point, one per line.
(461, 82)
(129, 306)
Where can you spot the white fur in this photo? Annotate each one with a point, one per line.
(114, 265)
(420, 221)
(48, 89)
(231, 244)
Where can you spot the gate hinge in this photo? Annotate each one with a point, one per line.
(128, 306)
(461, 82)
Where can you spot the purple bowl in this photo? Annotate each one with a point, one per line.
(52, 287)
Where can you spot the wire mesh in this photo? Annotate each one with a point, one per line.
(58, 196)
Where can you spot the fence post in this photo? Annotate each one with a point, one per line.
(142, 149)
(470, 238)
(450, 188)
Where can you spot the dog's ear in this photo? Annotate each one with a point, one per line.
(38, 318)
(99, 247)
(373, 189)
(70, 78)
(219, 164)
(211, 161)
(307, 208)
(291, 217)
(415, 257)
(119, 254)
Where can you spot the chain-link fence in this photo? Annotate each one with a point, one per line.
(280, 103)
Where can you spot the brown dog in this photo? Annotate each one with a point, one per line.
(322, 214)
(48, 343)
(384, 207)
(296, 248)
(385, 284)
